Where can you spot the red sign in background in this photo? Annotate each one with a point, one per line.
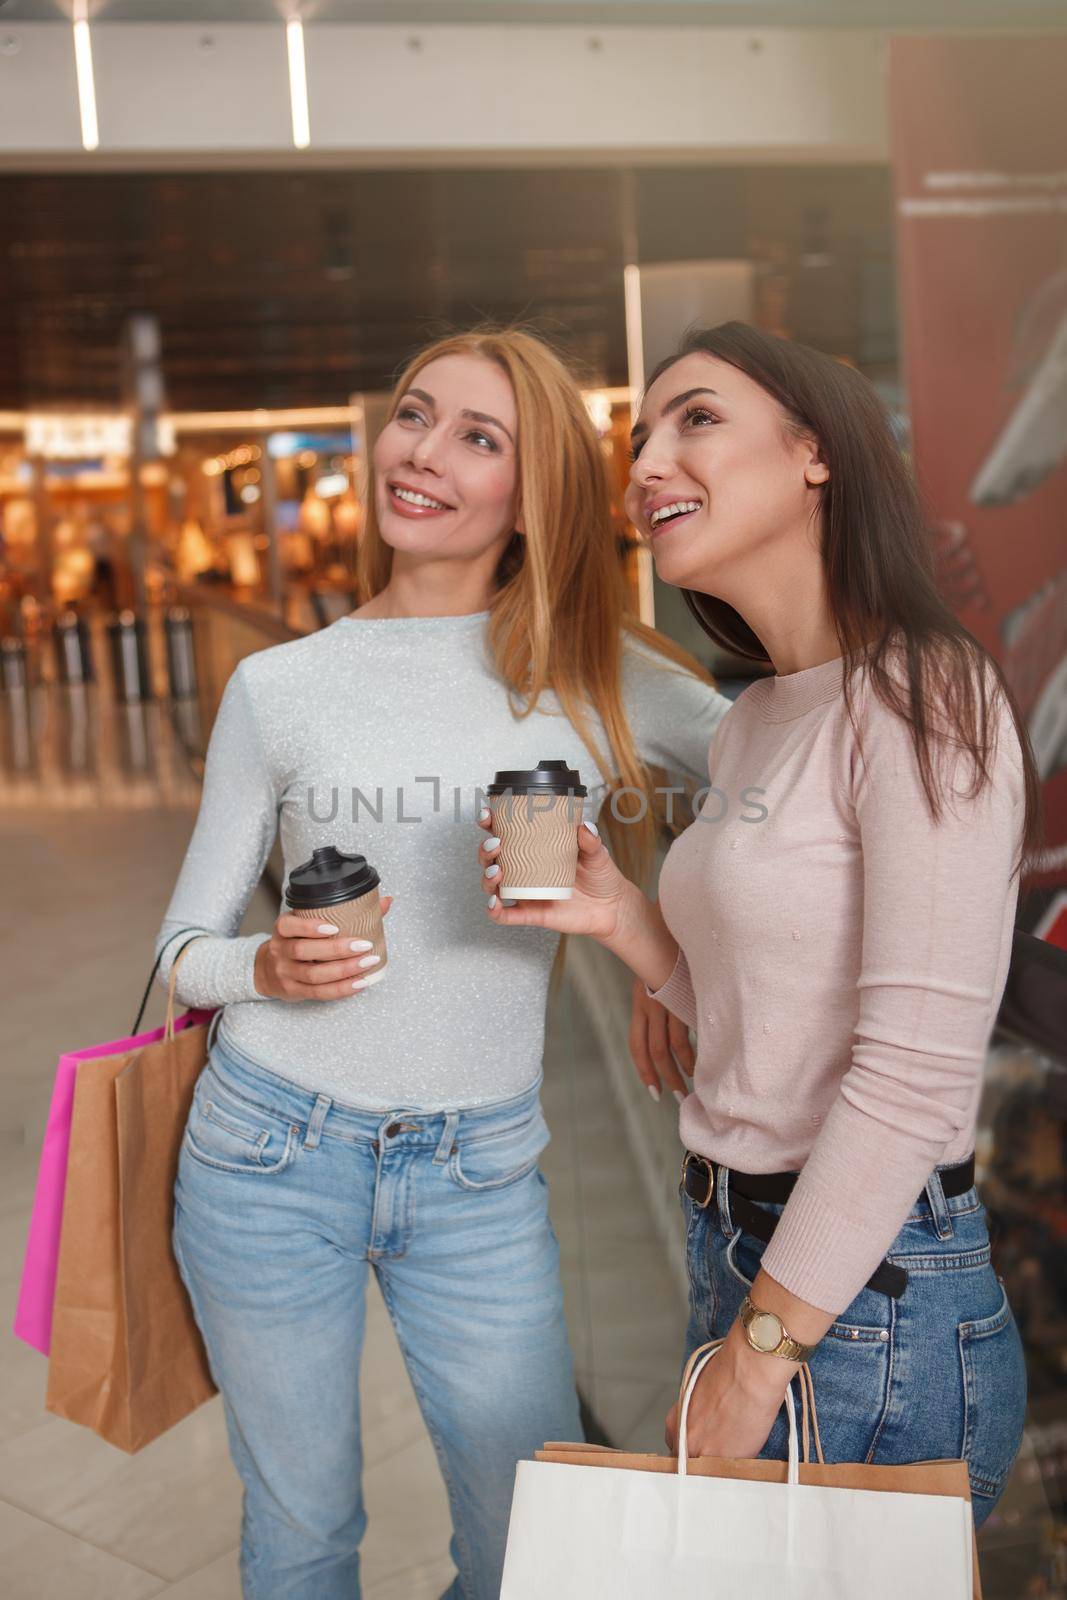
(979, 135)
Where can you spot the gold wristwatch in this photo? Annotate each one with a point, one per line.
(765, 1333)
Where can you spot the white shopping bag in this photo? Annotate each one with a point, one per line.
(582, 1532)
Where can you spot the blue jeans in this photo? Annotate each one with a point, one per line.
(937, 1373)
(284, 1201)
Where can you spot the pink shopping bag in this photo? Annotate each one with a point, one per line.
(33, 1318)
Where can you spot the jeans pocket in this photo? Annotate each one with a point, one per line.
(865, 1321)
(494, 1160)
(229, 1135)
(994, 1392)
(849, 1368)
(743, 1270)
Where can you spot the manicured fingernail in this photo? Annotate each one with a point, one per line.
(484, 814)
(492, 902)
(361, 944)
(509, 902)
(370, 961)
(492, 843)
(493, 871)
(327, 927)
(360, 983)
(680, 1097)
(593, 829)
(654, 1092)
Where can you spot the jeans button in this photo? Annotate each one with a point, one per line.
(392, 1130)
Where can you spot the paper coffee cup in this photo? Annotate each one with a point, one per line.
(345, 890)
(535, 813)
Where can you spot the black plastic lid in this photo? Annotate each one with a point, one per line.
(548, 777)
(328, 878)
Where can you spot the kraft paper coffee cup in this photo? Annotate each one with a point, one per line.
(536, 813)
(342, 889)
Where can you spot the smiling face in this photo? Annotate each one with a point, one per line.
(446, 464)
(722, 485)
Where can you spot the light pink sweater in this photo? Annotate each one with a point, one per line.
(843, 960)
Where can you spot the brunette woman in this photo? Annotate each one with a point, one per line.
(841, 952)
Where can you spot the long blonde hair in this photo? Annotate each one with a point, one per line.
(558, 615)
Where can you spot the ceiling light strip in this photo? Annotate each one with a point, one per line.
(83, 62)
(298, 83)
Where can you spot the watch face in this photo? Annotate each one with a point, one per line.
(765, 1331)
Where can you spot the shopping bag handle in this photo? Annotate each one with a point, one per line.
(168, 1021)
(152, 977)
(695, 1366)
(809, 1416)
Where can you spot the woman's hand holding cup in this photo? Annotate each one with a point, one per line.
(595, 906)
(603, 904)
(301, 962)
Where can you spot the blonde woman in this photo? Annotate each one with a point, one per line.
(342, 1126)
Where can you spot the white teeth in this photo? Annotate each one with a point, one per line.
(413, 499)
(663, 512)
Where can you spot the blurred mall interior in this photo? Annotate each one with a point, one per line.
(224, 226)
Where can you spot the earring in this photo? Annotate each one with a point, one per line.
(818, 474)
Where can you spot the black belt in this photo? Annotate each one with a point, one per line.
(699, 1178)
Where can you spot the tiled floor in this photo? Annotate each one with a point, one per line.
(78, 1519)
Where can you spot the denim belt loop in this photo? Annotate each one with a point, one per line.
(722, 1200)
(935, 1193)
(448, 1139)
(316, 1120)
(213, 1029)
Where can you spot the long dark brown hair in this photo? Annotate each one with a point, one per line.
(879, 566)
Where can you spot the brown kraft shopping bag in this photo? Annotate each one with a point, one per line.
(127, 1359)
